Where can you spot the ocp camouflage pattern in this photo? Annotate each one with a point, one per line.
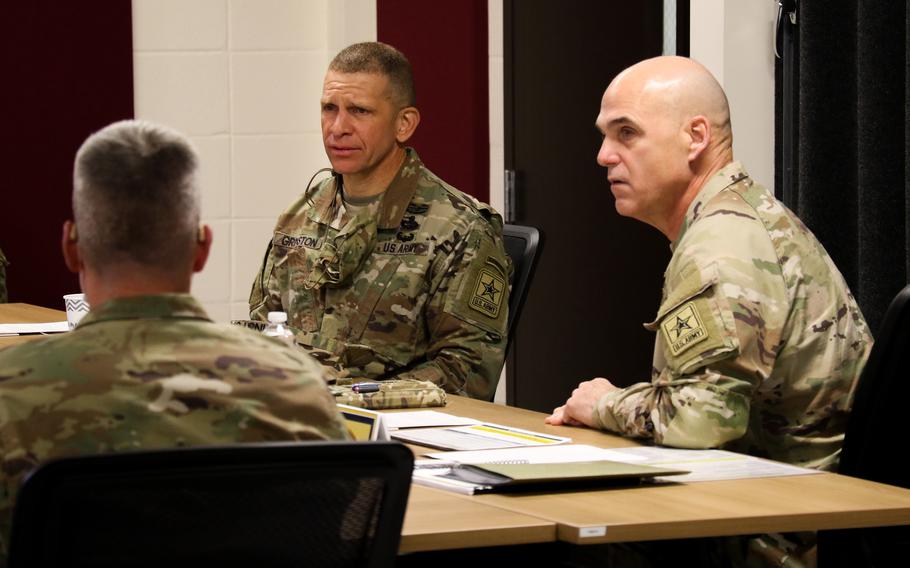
(152, 372)
(417, 290)
(759, 342)
(395, 393)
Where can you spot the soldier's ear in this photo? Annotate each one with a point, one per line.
(406, 123)
(203, 247)
(69, 246)
(698, 131)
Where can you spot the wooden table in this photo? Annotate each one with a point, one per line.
(440, 520)
(712, 508)
(26, 313)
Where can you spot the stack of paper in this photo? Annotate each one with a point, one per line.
(477, 437)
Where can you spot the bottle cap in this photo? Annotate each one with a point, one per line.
(278, 317)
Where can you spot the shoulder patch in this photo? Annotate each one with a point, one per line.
(683, 328)
(488, 293)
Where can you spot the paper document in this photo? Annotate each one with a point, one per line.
(31, 328)
(708, 465)
(477, 437)
(424, 419)
(565, 453)
(439, 476)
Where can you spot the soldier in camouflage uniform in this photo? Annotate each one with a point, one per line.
(3, 263)
(759, 342)
(386, 271)
(146, 368)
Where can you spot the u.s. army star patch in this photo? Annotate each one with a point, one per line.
(683, 328)
(487, 295)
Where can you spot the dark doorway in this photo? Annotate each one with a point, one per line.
(600, 274)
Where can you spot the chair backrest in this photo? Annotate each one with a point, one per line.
(883, 384)
(872, 448)
(286, 504)
(523, 245)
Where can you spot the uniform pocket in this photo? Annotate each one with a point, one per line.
(304, 301)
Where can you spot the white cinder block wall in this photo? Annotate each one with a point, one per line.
(242, 78)
(497, 106)
(495, 25)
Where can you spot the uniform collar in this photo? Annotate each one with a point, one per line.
(728, 175)
(394, 202)
(162, 306)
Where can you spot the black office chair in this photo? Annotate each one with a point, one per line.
(873, 447)
(321, 504)
(523, 245)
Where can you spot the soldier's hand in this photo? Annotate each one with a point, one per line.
(559, 418)
(580, 406)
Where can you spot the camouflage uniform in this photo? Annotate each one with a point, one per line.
(152, 372)
(759, 342)
(3, 263)
(418, 290)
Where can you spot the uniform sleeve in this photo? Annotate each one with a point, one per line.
(306, 408)
(467, 317)
(714, 346)
(265, 295)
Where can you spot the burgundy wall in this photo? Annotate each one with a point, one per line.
(446, 42)
(67, 70)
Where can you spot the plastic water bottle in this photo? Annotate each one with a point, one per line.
(278, 328)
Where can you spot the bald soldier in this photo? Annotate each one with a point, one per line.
(386, 271)
(146, 367)
(759, 342)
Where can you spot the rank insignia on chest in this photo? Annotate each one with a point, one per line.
(487, 296)
(683, 328)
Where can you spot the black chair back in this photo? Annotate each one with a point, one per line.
(872, 443)
(523, 245)
(874, 418)
(327, 504)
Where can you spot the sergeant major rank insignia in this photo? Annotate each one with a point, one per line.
(487, 296)
(683, 328)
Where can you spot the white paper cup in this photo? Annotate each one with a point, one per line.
(76, 308)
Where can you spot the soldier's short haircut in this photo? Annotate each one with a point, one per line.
(383, 59)
(135, 198)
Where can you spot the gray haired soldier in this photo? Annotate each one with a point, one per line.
(146, 368)
(759, 342)
(385, 271)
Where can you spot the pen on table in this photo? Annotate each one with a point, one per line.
(365, 387)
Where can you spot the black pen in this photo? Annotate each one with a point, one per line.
(365, 387)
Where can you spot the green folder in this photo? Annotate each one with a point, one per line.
(511, 476)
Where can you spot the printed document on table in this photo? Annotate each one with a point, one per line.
(476, 437)
(424, 419)
(709, 465)
(566, 453)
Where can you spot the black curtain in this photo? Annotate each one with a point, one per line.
(843, 142)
